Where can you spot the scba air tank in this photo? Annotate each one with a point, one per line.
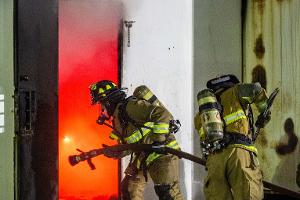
(210, 116)
(143, 92)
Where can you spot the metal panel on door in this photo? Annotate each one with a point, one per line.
(36, 98)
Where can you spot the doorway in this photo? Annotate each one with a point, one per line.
(90, 49)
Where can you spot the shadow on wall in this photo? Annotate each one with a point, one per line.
(285, 173)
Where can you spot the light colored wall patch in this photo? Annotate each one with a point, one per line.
(1, 113)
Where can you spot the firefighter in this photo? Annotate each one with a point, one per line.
(140, 120)
(225, 125)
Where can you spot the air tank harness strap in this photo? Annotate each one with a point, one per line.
(238, 140)
(210, 105)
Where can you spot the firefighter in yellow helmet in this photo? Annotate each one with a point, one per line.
(140, 119)
(225, 125)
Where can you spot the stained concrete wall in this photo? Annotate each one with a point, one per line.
(271, 57)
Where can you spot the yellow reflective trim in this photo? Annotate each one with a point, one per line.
(113, 84)
(137, 135)
(161, 128)
(248, 99)
(93, 87)
(174, 145)
(161, 125)
(161, 131)
(114, 136)
(233, 117)
(148, 95)
(171, 143)
(205, 100)
(249, 148)
(108, 87)
(138, 163)
(101, 90)
(153, 156)
(149, 124)
(133, 138)
(201, 133)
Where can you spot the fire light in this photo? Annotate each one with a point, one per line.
(67, 139)
(89, 33)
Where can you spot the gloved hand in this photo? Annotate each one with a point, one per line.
(111, 153)
(174, 125)
(101, 119)
(262, 121)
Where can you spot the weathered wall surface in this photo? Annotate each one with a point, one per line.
(271, 52)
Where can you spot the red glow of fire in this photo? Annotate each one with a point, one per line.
(88, 52)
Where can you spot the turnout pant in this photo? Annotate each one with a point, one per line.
(164, 173)
(233, 173)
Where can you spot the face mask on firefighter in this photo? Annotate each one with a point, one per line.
(104, 116)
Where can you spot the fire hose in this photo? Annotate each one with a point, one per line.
(87, 156)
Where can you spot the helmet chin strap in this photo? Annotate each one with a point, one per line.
(101, 121)
(104, 113)
(102, 118)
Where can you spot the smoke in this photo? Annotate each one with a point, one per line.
(86, 27)
(88, 52)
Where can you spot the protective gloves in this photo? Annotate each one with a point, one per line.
(263, 120)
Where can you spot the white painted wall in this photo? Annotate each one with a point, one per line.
(174, 53)
(160, 56)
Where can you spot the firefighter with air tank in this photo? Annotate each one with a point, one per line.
(226, 129)
(142, 119)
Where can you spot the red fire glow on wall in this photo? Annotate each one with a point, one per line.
(88, 52)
